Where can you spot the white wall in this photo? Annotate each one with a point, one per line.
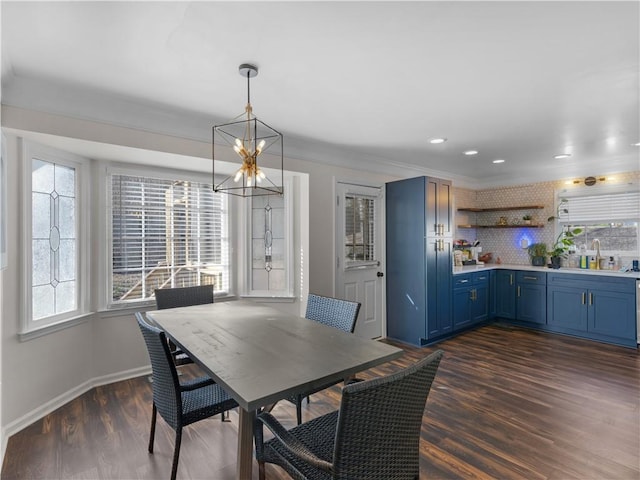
(41, 374)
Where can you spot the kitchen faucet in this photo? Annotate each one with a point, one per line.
(596, 244)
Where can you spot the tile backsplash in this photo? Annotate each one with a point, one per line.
(505, 243)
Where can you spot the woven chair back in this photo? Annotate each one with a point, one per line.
(378, 433)
(183, 296)
(334, 312)
(165, 383)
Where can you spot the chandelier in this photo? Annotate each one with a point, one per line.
(249, 138)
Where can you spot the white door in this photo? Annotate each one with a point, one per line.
(359, 276)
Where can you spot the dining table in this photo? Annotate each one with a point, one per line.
(261, 355)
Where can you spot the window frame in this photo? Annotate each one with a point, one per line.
(113, 168)
(27, 152)
(562, 222)
(246, 265)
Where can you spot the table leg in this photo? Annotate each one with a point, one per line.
(245, 444)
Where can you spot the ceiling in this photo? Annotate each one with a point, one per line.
(362, 84)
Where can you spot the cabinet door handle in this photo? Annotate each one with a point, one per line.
(511, 279)
(518, 290)
(590, 298)
(584, 298)
(529, 278)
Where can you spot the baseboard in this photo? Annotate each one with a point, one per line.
(55, 403)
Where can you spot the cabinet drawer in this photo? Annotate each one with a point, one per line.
(461, 281)
(534, 278)
(480, 278)
(592, 282)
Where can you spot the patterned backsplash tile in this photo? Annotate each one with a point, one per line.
(504, 243)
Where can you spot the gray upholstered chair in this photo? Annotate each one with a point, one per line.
(179, 404)
(182, 297)
(360, 440)
(337, 313)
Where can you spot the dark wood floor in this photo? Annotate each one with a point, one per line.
(507, 403)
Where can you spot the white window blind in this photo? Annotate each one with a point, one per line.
(600, 208)
(166, 233)
(359, 228)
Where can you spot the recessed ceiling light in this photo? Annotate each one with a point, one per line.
(498, 161)
(437, 140)
(471, 152)
(562, 155)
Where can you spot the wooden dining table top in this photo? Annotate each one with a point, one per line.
(261, 355)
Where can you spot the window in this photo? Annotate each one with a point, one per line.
(359, 223)
(55, 236)
(609, 214)
(166, 233)
(270, 245)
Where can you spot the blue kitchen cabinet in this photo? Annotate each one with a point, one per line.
(597, 307)
(419, 259)
(470, 299)
(567, 308)
(492, 293)
(531, 297)
(461, 298)
(480, 301)
(505, 294)
(439, 262)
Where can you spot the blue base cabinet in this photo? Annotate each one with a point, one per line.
(601, 308)
(470, 299)
(505, 294)
(531, 297)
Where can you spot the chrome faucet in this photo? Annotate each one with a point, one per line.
(596, 244)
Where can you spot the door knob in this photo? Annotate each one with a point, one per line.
(380, 274)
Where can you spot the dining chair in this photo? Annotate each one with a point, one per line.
(182, 297)
(334, 312)
(360, 440)
(179, 404)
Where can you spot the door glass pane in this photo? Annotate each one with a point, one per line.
(359, 228)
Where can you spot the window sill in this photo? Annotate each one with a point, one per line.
(54, 327)
(270, 299)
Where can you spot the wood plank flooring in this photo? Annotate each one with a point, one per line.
(508, 403)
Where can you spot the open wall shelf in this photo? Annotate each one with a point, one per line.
(503, 209)
(533, 225)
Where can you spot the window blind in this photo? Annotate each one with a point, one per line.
(166, 233)
(600, 208)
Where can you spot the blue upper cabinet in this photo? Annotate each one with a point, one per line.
(418, 257)
(438, 208)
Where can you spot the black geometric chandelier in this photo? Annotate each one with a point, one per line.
(250, 138)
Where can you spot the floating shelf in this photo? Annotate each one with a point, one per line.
(533, 225)
(501, 209)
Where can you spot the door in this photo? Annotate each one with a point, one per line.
(359, 276)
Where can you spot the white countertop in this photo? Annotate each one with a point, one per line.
(580, 271)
